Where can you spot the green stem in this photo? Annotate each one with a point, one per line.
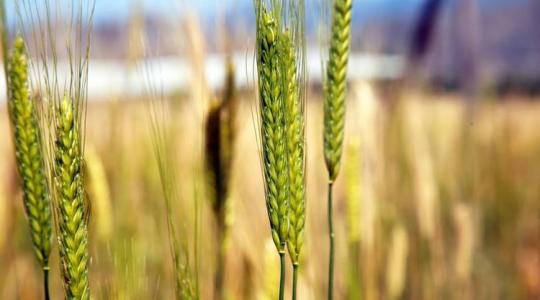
(295, 281)
(282, 276)
(331, 235)
(46, 282)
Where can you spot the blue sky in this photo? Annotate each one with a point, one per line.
(119, 9)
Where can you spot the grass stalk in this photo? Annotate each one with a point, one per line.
(331, 240)
(185, 269)
(282, 275)
(353, 171)
(295, 281)
(46, 283)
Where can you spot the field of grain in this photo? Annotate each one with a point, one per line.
(213, 173)
(429, 206)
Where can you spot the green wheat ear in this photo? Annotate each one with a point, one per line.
(335, 86)
(280, 54)
(72, 211)
(273, 129)
(28, 152)
(294, 117)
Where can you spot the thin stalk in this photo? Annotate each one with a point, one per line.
(46, 282)
(331, 235)
(220, 268)
(282, 275)
(295, 281)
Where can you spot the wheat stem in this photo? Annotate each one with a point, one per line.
(331, 237)
(46, 283)
(282, 275)
(295, 280)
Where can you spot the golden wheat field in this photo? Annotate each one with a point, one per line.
(264, 159)
(430, 206)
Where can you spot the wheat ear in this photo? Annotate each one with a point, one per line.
(220, 141)
(335, 87)
(273, 132)
(295, 147)
(294, 117)
(72, 211)
(29, 155)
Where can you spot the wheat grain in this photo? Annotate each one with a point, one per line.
(273, 127)
(335, 89)
(335, 86)
(280, 54)
(273, 131)
(28, 153)
(29, 156)
(294, 118)
(62, 114)
(70, 202)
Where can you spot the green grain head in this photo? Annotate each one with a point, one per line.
(294, 124)
(281, 70)
(273, 135)
(61, 115)
(72, 209)
(335, 86)
(273, 127)
(28, 152)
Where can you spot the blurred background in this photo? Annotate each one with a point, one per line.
(439, 192)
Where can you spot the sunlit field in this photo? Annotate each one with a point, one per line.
(438, 195)
(430, 205)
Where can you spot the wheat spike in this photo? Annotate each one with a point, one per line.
(294, 117)
(273, 128)
(280, 53)
(220, 140)
(28, 152)
(72, 210)
(335, 90)
(335, 86)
